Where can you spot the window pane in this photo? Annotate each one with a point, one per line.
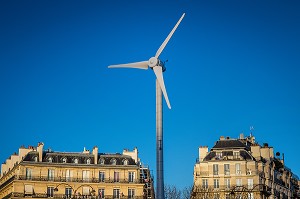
(226, 169)
(116, 193)
(101, 193)
(238, 168)
(50, 174)
(215, 169)
(101, 176)
(130, 176)
(50, 191)
(116, 177)
(131, 193)
(68, 192)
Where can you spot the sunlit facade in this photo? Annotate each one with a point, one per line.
(36, 173)
(241, 168)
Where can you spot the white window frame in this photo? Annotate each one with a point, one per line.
(51, 174)
(204, 183)
(215, 169)
(238, 170)
(116, 193)
(131, 176)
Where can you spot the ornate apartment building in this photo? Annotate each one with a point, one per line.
(37, 173)
(241, 168)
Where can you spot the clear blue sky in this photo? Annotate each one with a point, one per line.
(232, 65)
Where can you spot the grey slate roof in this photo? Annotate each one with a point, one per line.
(232, 144)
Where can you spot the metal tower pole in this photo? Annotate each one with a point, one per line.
(159, 145)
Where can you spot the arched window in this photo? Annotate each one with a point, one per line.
(64, 160)
(113, 161)
(88, 161)
(101, 161)
(50, 159)
(125, 162)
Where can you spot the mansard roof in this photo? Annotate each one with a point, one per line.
(230, 144)
(81, 158)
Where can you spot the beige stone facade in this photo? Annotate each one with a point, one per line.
(36, 173)
(241, 168)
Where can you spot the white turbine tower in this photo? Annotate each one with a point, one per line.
(158, 67)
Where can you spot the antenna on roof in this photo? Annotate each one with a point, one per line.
(251, 129)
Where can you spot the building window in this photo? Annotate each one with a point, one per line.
(85, 175)
(35, 158)
(64, 160)
(125, 162)
(238, 182)
(250, 196)
(131, 176)
(218, 155)
(204, 183)
(76, 161)
(215, 169)
(116, 193)
(68, 192)
(101, 193)
(216, 195)
(250, 183)
(101, 161)
(50, 191)
(113, 162)
(238, 169)
(216, 183)
(101, 176)
(51, 174)
(88, 161)
(131, 193)
(28, 173)
(50, 159)
(236, 155)
(69, 175)
(227, 183)
(226, 169)
(116, 176)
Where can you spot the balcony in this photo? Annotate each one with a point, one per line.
(83, 180)
(59, 196)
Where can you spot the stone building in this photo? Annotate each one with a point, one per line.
(241, 168)
(38, 173)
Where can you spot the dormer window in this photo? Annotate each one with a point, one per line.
(50, 159)
(101, 161)
(64, 160)
(35, 158)
(113, 161)
(236, 154)
(125, 162)
(76, 161)
(88, 161)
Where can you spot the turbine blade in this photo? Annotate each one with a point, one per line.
(139, 65)
(163, 45)
(159, 75)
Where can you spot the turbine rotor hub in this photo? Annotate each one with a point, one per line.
(153, 61)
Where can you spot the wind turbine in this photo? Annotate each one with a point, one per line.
(158, 67)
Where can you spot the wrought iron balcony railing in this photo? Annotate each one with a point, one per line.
(83, 180)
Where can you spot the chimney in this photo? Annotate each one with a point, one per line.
(40, 150)
(133, 154)
(203, 150)
(95, 153)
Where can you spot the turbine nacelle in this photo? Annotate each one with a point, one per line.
(153, 61)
